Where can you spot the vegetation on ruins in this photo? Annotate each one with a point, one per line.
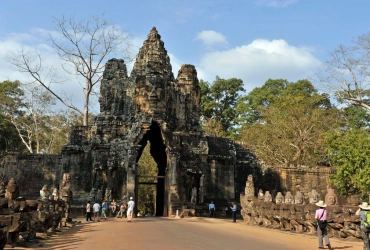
(218, 104)
(146, 193)
(82, 46)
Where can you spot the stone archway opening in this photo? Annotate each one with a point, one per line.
(158, 152)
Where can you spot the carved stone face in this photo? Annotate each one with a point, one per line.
(279, 198)
(298, 198)
(289, 197)
(331, 200)
(268, 196)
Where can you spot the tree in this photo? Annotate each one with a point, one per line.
(10, 96)
(213, 127)
(218, 101)
(349, 153)
(250, 106)
(290, 128)
(82, 46)
(345, 75)
(147, 193)
(28, 119)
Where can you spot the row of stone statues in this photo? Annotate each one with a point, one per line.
(291, 212)
(313, 196)
(21, 216)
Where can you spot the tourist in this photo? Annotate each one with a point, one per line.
(122, 210)
(113, 206)
(233, 210)
(103, 210)
(211, 210)
(322, 231)
(365, 234)
(96, 208)
(88, 211)
(130, 209)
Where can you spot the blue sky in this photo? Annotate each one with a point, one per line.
(252, 39)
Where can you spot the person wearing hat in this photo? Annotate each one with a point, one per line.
(322, 231)
(364, 207)
(130, 209)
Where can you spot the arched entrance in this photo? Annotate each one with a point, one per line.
(158, 152)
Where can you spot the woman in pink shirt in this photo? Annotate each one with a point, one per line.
(322, 231)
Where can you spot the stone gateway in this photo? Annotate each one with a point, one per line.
(152, 105)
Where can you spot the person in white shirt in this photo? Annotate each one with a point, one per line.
(88, 211)
(130, 209)
(96, 208)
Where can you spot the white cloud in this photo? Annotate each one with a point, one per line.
(258, 61)
(276, 3)
(210, 37)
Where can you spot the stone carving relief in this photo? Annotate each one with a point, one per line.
(289, 199)
(44, 193)
(298, 198)
(249, 187)
(268, 196)
(331, 198)
(261, 196)
(313, 196)
(279, 198)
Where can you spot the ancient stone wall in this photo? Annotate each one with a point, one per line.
(31, 171)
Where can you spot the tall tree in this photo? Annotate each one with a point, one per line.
(82, 46)
(289, 130)
(250, 106)
(349, 153)
(345, 75)
(10, 97)
(218, 101)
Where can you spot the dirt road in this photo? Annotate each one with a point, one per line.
(191, 233)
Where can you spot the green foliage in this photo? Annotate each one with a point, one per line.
(27, 121)
(349, 153)
(249, 107)
(218, 101)
(356, 117)
(291, 120)
(147, 193)
(10, 98)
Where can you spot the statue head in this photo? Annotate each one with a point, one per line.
(268, 196)
(289, 197)
(314, 196)
(298, 198)
(279, 198)
(331, 197)
(12, 190)
(261, 196)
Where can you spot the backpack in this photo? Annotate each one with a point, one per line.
(367, 219)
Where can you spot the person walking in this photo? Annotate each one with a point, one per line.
(322, 231)
(211, 208)
(88, 211)
(103, 210)
(364, 207)
(96, 208)
(130, 209)
(233, 210)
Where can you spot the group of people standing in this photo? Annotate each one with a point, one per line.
(98, 210)
(212, 209)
